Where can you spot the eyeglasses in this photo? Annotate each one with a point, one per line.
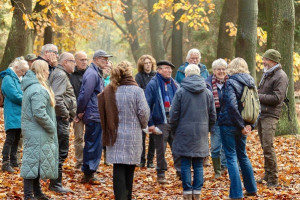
(83, 60)
(73, 61)
(167, 68)
(221, 69)
(147, 63)
(52, 51)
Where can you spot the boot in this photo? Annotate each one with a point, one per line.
(91, 179)
(56, 185)
(217, 167)
(206, 162)
(7, 168)
(261, 181)
(37, 191)
(196, 196)
(187, 197)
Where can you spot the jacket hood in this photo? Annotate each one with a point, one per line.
(194, 84)
(244, 79)
(28, 80)
(8, 71)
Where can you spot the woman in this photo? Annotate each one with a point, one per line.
(124, 113)
(146, 71)
(191, 124)
(234, 130)
(11, 89)
(216, 84)
(40, 153)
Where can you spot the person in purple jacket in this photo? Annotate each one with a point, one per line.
(87, 110)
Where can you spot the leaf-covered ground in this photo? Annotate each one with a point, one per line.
(146, 187)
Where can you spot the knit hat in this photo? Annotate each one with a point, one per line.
(273, 55)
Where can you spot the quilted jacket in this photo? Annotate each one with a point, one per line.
(40, 151)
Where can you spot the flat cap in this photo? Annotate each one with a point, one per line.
(101, 53)
(165, 62)
(30, 57)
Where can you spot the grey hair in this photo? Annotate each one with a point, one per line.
(192, 69)
(219, 63)
(64, 56)
(193, 51)
(78, 53)
(19, 63)
(47, 47)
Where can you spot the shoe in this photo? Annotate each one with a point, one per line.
(206, 162)
(91, 179)
(14, 164)
(272, 184)
(187, 197)
(228, 198)
(161, 180)
(78, 165)
(196, 196)
(217, 167)
(249, 194)
(56, 185)
(30, 198)
(142, 164)
(150, 165)
(263, 179)
(41, 197)
(6, 167)
(178, 174)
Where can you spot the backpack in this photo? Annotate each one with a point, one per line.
(251, 105)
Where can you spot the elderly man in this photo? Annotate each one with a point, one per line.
(30, 58)
(49, 54)
(65, 110)
(78, 125)
(193, 57)
(272, 90)
(87, 110)
(159, 94)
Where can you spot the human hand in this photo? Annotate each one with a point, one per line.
(76, 119)
(152, 129)
(52, 59)
(246, 130)
(80, 115)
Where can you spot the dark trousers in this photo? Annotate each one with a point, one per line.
(151, 149)
(10, 147)
(32, 185)
(122, 180)
(63, 132)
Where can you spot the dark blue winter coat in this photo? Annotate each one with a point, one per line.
(230, 114)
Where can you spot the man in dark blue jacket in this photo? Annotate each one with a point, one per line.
(159, 94)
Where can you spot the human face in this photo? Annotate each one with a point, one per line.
(21, 71)
(101, 62)
(50, 54)
(81, 61)
(147, 65)
(268, 64)
(165, 71)
(69, 64)
(220, 72)
(194, 59)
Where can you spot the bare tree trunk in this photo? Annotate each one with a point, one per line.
(226, 42)
(247, 33)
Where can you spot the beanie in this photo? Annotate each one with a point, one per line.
(273, 55)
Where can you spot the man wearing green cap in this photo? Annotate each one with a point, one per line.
(271, 90)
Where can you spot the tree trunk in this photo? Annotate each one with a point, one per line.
(225, 42)
(156, 35)
(247, 33)
(17, 38)
(281, 22)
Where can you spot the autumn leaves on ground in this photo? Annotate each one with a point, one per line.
(146, 187)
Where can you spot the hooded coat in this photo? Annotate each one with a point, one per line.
(191, 117)
(40, 151)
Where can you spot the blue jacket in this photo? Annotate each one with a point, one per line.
(230, 114)
(155, 102)
(92, 85)
(11, 89)
(181, 75)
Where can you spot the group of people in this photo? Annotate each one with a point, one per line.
(111, 110)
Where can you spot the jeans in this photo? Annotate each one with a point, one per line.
(151, 149)
(78, 141)
(122, 181)
(10, 146)
(197, 164)
(216, 144)
(234, 144)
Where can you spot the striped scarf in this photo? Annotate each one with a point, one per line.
(214, 82)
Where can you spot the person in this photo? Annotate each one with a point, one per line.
(49, 54)
(12, 92)
(124, 112)
(87, 110)
(40, 152)
(272, 90)
(192, 115)
(65, 110)
(193, 57)
(216, 84)
(159, 94)
(30, 58)
(146, 71)
(234, 130)
(78, 125)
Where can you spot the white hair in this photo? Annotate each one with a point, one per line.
(64, 56)
(219, 63)
(47, 47)
(193, 51)
(192, 69)
(19, 63)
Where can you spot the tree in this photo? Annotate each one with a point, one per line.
(247, 33)
(281, 23)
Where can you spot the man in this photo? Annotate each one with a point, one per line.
(78, 125)
(30, 58)
(65, 110)
(49, 54)
(159, 94)
(272, 90)
(87, 110)
(193, 57)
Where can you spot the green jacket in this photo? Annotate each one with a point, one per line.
(38, 123)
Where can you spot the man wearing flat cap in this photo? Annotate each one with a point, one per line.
(159, 94)
(87, 110)
(272, 91)
(30, 58)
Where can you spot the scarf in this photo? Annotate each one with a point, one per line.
(109, 113)
(163, 84)
(214, 82)
(267, 72)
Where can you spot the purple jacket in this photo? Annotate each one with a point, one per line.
(87, 102)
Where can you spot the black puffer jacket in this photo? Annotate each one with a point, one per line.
(142, 78)
(76, 80)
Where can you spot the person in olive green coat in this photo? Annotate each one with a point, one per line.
(38, 123)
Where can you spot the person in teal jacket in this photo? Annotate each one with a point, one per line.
(11, 89)
(40, 152)
(193, 57)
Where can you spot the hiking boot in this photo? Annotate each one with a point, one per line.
(217, 167)
(150, 165)
(41, 197)
(6, 167)
(261, 181)
(161, 180)
(91, 179)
